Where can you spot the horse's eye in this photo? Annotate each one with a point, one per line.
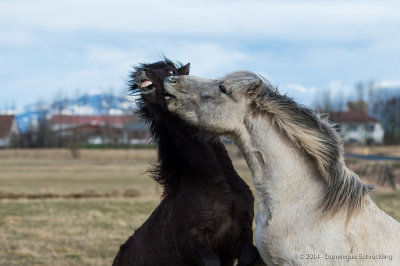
(222, 88)
(171, 72)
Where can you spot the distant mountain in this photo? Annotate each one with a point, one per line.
(95, 104)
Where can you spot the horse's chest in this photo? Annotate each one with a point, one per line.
(219, 224)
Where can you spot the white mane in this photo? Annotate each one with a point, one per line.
(315, 137)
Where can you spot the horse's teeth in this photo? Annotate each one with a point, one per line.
(146, 83)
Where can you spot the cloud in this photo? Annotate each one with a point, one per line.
(53, 45)
(286, 20)
(105, 67)
(299, 88)
(207, 59)
(13, 38)
(387, 84)
(301, 94)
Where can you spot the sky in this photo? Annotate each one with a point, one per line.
(52, 48)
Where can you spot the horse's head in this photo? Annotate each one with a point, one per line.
(217, 105)
(148, 80)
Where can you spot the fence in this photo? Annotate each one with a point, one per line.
(376, 167)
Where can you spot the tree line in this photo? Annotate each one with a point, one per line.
(380, 102)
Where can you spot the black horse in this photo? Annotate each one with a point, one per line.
(205, 216)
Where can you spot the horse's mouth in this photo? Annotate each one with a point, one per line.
(168, 95)
(146, 86)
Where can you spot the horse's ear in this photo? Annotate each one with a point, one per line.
(184, 70)
(255, 87)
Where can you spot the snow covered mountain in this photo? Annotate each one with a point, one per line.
(88, 104)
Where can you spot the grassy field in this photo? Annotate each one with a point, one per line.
(56, 210)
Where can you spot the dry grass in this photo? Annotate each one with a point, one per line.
(68, 232)
(59, 211)
(54, 209)
(379, 150)
(389, 202)
(55, 172)
(97, 155)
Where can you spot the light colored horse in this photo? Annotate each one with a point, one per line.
(312, 210)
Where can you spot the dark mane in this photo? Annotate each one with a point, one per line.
(182, 148)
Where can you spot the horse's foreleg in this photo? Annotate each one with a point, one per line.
(248, 252)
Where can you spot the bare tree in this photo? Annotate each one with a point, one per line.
(59, 105)
(339, 102)
(386, 107)
(323, 101)
(360, 89)
(391, 118)
(76, 132)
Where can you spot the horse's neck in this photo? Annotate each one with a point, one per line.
(281, 173)
(289, 193)
(183, 152)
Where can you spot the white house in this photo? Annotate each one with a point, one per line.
(8, 129)
(357, 127)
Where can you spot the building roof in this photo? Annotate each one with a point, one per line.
(138, 126)
(351, 117)
(6, 122)
(90, 120)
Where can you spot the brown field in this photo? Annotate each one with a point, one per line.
(379, 150)
(56, 210)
